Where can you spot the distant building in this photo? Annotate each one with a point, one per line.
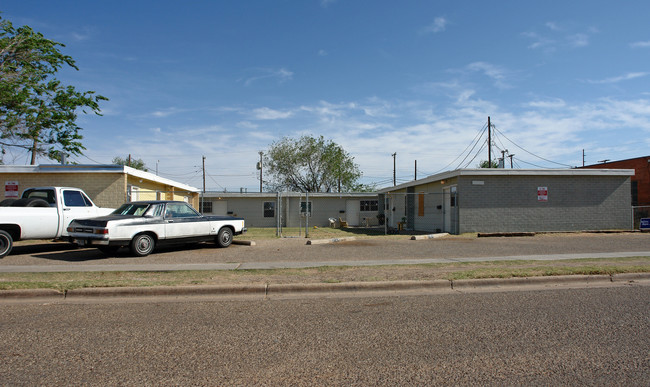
(640, 182)
(288, 209)
(106, 185)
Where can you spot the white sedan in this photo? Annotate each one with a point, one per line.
(144, 224)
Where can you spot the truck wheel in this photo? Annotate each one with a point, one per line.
(7, 202)
(142, 245)
(224, 237)
(6, 243)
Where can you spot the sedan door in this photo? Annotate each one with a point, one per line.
(182, 221)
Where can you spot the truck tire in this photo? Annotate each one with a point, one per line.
(7, 202)
(224, 237)
(142, 245)
(30, 202)
(6, 243)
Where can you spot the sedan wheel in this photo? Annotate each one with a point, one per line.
(142, 245)
(224, 238)
(6, 243)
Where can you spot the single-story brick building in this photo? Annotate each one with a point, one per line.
(107, 185)
(288, 208)
(512, 200)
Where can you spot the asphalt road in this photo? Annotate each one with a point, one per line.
(296, 250)
(597, 336)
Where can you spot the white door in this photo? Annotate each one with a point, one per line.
(181, 221)
(449, 198)
(352, 212)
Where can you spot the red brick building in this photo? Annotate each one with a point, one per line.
(640, 181)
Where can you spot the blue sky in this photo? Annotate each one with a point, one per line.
(225, 79)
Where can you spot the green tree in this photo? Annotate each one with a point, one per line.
(133, 163)
(37, 112)
(310, 164)
(487, 164)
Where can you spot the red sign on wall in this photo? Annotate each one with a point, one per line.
(542, 194)
(11, 189)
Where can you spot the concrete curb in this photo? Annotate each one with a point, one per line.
(333, 240)
(263, 290)
(430, 236)
(245, 243)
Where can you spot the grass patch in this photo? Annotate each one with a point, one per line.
(63, 281)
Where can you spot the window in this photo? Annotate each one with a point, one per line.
(180, 210)
(206, 207)
(369, 205)
(269, 209)
(303, 207)
(75, 199)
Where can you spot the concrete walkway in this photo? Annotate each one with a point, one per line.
(300, 264)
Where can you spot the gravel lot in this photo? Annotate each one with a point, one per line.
(296, 250)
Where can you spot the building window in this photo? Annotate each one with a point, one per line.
(369, 205)
(303, 207)
(269, 209)
(206, 207)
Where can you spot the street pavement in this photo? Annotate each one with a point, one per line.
(565, 337)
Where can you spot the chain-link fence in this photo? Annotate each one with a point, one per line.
(640, 212)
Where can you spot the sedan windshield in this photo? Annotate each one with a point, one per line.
(132, 209)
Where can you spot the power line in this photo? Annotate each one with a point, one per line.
(530, 153)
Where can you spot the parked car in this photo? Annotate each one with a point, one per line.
(43, 213)
(144, 224)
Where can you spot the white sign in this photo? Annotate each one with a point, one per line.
(542, 194)
(11, 189)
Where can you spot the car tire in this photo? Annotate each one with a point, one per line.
(142, 245)
(224, 237)
(6, 243)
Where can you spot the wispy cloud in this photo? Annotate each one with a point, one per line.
(625, 77)
(266, 113)
(281, 75)
(643, 44)
(439, 24)
(554, 36)
(497, 73)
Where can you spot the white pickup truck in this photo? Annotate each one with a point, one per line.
(43, 213)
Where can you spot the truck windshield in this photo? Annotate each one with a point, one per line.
(131, 209)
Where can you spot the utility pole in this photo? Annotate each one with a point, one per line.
(394, 164)
(511, 156)
(489, 143)
(201, 209)
(416, 170)
(583, 157)
(260, 168)
(203, 174)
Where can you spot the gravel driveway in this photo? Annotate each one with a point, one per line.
(296, 250)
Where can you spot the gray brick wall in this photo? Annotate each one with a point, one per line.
(510, 203)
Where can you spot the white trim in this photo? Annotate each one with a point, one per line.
(510, 172)
(56, 168)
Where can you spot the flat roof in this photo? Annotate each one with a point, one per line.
(217, 194)
(510, 172)
(102, 168)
